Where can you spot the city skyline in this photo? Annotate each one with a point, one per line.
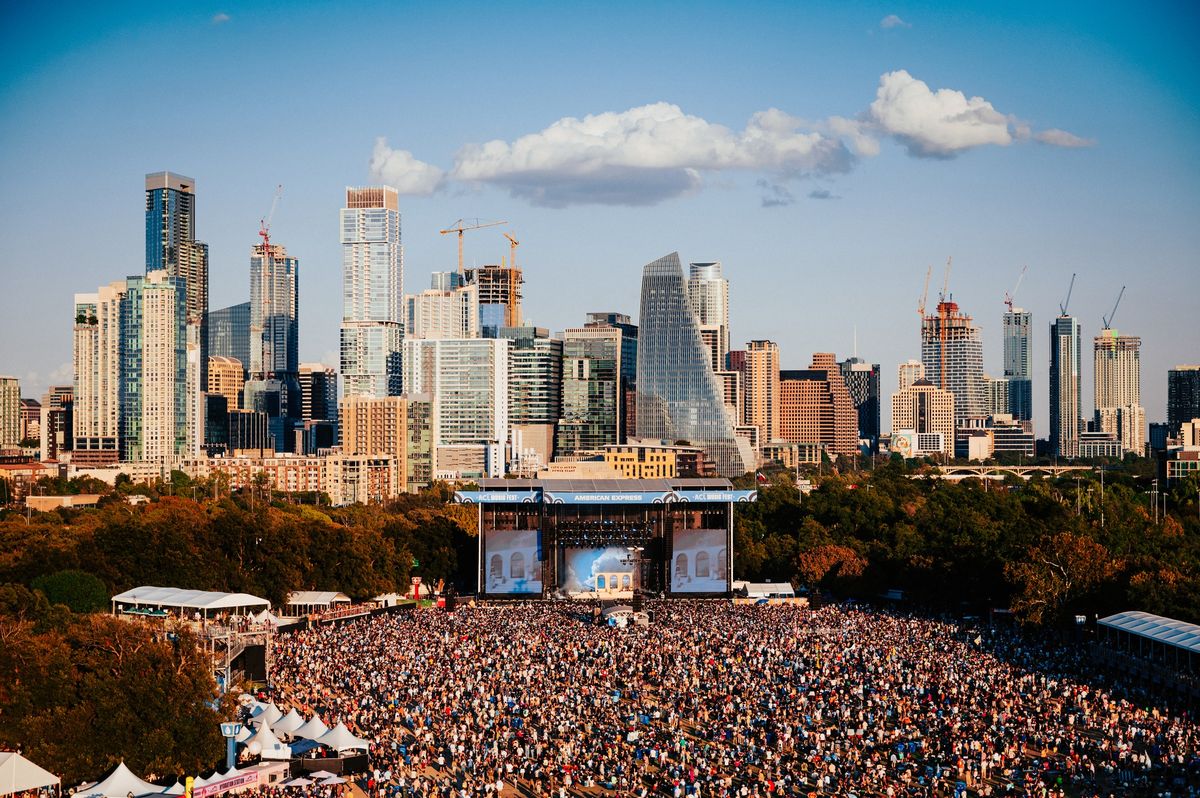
(994, 206)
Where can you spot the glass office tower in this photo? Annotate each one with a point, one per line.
(1017, 365)
(372, 292)
(678, 394)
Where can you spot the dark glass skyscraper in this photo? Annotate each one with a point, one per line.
(274, 322)
(229, 334)
(1183, 396)
(862, 381)
(1017, 363)
(678, 394)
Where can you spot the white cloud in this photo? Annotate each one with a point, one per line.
(937, 124)
(220, 18)
(400, 170)
(645, 154)
(893, 21)
(1061, 138)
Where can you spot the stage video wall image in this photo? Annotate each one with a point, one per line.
(699, 561)
(597, 570)
(512, 561)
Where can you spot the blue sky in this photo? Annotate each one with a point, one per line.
(245, 96)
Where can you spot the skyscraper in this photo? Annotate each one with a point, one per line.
(229, 334)
(372, 292)
(154, 385)
(923, 409)
(58, 409)
(534, 392)
(815, 407)
(678, 395)
(443, 312)
(1183, 396)
(98, 373)
(760, 382)
(952, 351)
(10, 412)
(274, 321)
(1064, 386)
(318, 391)
(909, 372)
(1118, 388)
(708, 295)
(592, 399)
(171, 245)
(499, 297)
(862, 381)
(1018, 365)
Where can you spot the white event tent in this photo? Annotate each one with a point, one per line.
(313, 729)
(118, 784)
(186, 602)
(340, 739)
(18, 774)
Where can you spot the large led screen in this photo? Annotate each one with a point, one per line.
(602, 570)
(511, 561)
(699, 561)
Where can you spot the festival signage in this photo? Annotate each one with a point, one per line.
(225, 785)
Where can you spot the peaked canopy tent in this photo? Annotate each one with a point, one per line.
(119, 783)
(186, 602)
(18, 774)
(340, 739)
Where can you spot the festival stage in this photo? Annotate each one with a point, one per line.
(604, 539)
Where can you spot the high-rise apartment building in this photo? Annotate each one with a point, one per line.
(1065, 416)
(678, 395)
(708, 296)
(451, 312)
(55, 428)
(275, 321)
(534, 389)
(629, 345)
(229, 334)
(396, 427)
(593, 401)
(909, 372)
(862, 381)
(998, 391)
(1118, 389)
(499, 290)
(1183, 396)
(31, 419)
(468, 381)
(952, 351)
(1018, 363)
(760, 381)
(171, 246)
(372, 292)
(10, 412)
(815, 407)
(98, 373)
(225, 379)
(154, 385)
(925, 409)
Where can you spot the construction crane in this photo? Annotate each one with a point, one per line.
(460, 228)
(264, 224)
(1010, 296)
(512, 250)
(1109, 318)
(946, 281)
(1062, 307)
(924, 293)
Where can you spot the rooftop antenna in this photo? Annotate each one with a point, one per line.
(1062, 307)
(1109, 318)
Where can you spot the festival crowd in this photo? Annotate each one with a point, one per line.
(715, 700)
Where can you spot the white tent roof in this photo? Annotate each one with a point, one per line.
(188, 599)
(175, 789)
(18, 774)
(318, 597)
(289, 722)
(271, 747)
(268, 712)
(1180, 634)
(311, 730)
(340, 739)
(119, 784)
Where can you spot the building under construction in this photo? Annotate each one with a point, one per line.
(952, 352)
(499, 295)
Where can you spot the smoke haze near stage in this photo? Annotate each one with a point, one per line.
(597, 570)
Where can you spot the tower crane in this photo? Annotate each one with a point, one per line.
(1062, 307)
(460, 228)
(1010, 296)
(946, 282)
(924, 293)
(512, 250)
(1109, 318)
(264, 224)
